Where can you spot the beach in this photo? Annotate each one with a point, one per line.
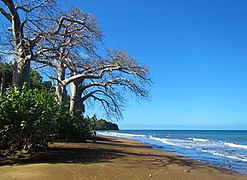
(110, 158)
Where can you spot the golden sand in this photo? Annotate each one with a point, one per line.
(111, 158)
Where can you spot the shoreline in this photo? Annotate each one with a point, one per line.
(112, 158)
(183, 157)
(225, 149)
(188, 158)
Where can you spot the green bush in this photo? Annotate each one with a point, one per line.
(30, 119)
(73, 127)
(27, 118)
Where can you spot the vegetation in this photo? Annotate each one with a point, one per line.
(36, 80)
(6, 74)
(104, 125)
(26, 118)
(29, 119)
(67, 48)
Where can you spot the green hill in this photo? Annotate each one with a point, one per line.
(104, 125)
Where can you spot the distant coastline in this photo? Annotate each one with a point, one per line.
(105, 125)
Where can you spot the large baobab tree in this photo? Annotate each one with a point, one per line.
(109, 81)
(71, 36)
(24, 19)
(67, 44)
(69, 48)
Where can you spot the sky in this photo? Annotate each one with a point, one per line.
(197, 54)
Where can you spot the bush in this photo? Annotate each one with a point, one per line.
(30, 119)
(73, 127)
(26, 118)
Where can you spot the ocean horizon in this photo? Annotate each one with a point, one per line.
(225, 149)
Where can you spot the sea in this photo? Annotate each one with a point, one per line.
(224, 149)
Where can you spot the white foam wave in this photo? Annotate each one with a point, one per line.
(169, 141)
(199, 139)
(202, 143)
(125, 135)
(163, 140)
(236, 145)
(225, 155)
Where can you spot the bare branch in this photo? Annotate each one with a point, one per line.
(7, 15)
(11, 6)
(28, 10)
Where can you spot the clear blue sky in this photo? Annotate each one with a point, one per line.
(197, 54)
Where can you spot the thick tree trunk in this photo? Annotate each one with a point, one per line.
(60, 87)
(76, 96)
(61, 93)
(21, 73)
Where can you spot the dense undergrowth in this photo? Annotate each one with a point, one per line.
(29, 120)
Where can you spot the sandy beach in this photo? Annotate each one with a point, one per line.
(110, 158)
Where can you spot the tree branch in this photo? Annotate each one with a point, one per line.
(11, 6)
(7, 15)
(31, 9)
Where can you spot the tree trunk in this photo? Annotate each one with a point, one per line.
(61, 93)
(76, 96)
(2, 82)
(60, 86)
(21, 73)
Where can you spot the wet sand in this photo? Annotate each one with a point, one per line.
(110, 158)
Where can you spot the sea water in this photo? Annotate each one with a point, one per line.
(225, 149)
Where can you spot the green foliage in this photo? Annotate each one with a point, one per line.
(104, 125)
(26, 118)
(30, 119)
(36, 80)
(6, 71)
(73, 127)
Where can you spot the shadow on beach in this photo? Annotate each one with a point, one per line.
(105, 150)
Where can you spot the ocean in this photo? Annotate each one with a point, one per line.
(224, 149)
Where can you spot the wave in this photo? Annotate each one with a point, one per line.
(236, 145)
(120, 134)
(213, 150)
(187, 144)
(199, 139)
(225, 155)
(163, 140)
(169, 141)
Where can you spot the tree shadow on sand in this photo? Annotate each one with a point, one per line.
(105, 150)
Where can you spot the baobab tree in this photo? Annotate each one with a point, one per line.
(109, 81)
(66, 43)
(71, 35)
(69, 48)
(24, 19)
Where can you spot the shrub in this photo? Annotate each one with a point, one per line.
(26, 118)
(73, 127)
(30, 119)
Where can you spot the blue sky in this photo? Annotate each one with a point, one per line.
(197, 54)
